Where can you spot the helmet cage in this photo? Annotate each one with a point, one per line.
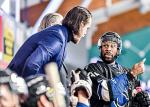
(111, 36)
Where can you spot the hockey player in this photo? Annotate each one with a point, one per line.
(113, 84)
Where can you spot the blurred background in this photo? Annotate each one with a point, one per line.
(19, 19)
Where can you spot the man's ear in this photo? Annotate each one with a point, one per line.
(82, 24)
(118, 52)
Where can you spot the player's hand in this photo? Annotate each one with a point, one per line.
(138, 68)
(82, 97)
(43, 102)
(80, 85)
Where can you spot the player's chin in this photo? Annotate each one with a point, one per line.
(108, 59)
(76, 40)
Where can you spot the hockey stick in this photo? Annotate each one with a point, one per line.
(52, 72)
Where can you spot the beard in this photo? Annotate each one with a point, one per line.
(106, 59)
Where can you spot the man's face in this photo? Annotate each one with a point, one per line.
(108, 51)
(82, 31)
(7, 98)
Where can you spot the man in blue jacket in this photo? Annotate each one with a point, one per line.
(49, 45)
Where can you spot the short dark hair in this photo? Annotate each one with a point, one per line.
(74, 18)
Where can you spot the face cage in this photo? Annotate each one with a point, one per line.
(113, 38)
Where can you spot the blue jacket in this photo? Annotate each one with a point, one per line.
(41, 48)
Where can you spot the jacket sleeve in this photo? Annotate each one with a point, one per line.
(41, 56)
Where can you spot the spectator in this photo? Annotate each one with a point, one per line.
(13, 90)
(50, 20)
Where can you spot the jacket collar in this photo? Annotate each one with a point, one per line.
(70, 34)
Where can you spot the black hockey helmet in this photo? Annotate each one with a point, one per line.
(111, 36)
